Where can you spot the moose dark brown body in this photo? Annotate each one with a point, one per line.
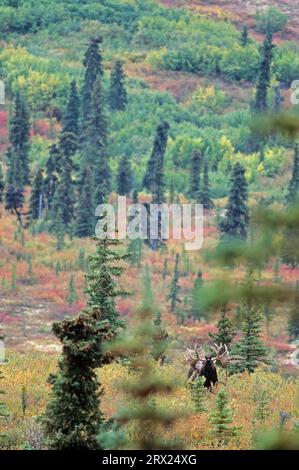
(208, 370)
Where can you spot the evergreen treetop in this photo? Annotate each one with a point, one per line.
(226, 331)
(159, 148)
(36, 197)
(118, 95)
(195, 173)
(93, 69)
(293, 189)
(264, 75)
(237, 215)
(71, 116)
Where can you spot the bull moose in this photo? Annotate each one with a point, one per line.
(204, 365)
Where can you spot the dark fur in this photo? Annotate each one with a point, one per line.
(209, 372)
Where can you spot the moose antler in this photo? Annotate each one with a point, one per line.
(193, 357)
(223, 355)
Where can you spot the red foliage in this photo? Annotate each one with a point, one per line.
(7, 319)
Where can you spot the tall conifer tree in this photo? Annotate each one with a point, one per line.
(19, 134)
(37, 196)
(71, 116)
(124, 176)
(237, 216)
(2, 184)
(157, 155)
(264, 76)
(85, 220)
(195, 175)
(118, 95)
(174, 287)
(205, 194)
(293, 189)
(93, 69)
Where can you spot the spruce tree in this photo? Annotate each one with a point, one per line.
(221, 421)
(293, 188)
(85, 219)
(73, 417)
(124, 176)
(71, 116)
(289, 249)
(174, 287)
(165, 268)
(19, 135)
(135, 252)
(104, 269)
(2, 185)
(293, 320)
(196, 297)
(52, 170)
(195, 175)
(157, 157)
(244, 40)
(95, 132)
(118, 95)
(236, 220)
(264, 75)
(93, 70)
(205, 195)
(197, 394)
(72, 292)
(37, 196)
(68, 144)
(226, 331)
(64, 196)
(143, 416)
(250, 348)
(160, 340)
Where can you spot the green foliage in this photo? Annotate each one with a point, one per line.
(293, 320)
(250, 348)
(264, 75)
(104, 268)
(197, 394)
(196, 301)
(174, 287)
(195, 174)
(271, 20)
(117, 94)
(19, 143)
(72, 295)
(2, 184)
(36, 197)
(236, 218)
(85, 220)
(93, 70)
(286, 62)
(205, 194)
(124, 176)
(71, 116)
(155, 162)
(72, 417)
(293, 188)
(226, 330)
(221, 421)
(143, 419)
